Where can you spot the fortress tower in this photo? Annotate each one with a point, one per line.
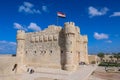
(85, 49)
(70, 42)
(20, 48)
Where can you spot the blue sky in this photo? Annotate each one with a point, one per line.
(99, 19)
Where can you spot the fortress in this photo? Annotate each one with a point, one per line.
(55, 47)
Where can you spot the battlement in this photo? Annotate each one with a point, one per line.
(20, 35)
(70, 27)
(69, 23)
(54, 27)
(78, 29)
(85, 39)
(20, 31)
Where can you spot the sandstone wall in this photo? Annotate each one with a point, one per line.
(44, 48)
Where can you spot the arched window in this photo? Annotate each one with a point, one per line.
(61, 51)
(50, 51)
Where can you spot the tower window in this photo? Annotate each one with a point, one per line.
(51, 51)
(34, 53)
(26, 52)
(44, 51)
(61, 51)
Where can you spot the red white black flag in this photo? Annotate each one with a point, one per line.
(60, 14)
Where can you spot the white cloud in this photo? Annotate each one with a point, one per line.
(95, 12)
(12, 43)
(36, 11)
(7, 46)
(115, 14)
(3, 41)
(44, 8)
(7, 42)
(34, 26)
(28, 7)
(109, 41)
(19, 26)
(100, 36)
(28, 4)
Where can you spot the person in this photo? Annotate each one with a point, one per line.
(31, 71)
(106, 68)
(28, 70)
(15, 66)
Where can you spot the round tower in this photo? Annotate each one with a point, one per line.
(20, 48)
(70, 31)
(85, 41)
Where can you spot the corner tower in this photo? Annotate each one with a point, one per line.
(70, 41)
(20, 48)
(85, 41)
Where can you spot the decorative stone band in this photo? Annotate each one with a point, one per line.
(44, 38)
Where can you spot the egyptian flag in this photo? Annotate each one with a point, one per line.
(60, 14)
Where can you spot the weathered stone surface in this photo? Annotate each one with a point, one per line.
(54, 47)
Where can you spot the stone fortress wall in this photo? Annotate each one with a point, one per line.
(54, 47)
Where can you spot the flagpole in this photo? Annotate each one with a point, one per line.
(57, 21)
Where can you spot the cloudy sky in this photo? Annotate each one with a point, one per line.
(99, 19)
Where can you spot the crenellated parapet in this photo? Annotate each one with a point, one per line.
(54, 28)
(20, 35)
(77, 29)
(85, 39)
(69, 28)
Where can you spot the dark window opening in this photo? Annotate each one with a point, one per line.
(26, 52)
(51, 51)
(35, 51)
(44, 51)
(61, 51)
(71, 51)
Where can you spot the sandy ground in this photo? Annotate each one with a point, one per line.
(81, 74)
(101, 74)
